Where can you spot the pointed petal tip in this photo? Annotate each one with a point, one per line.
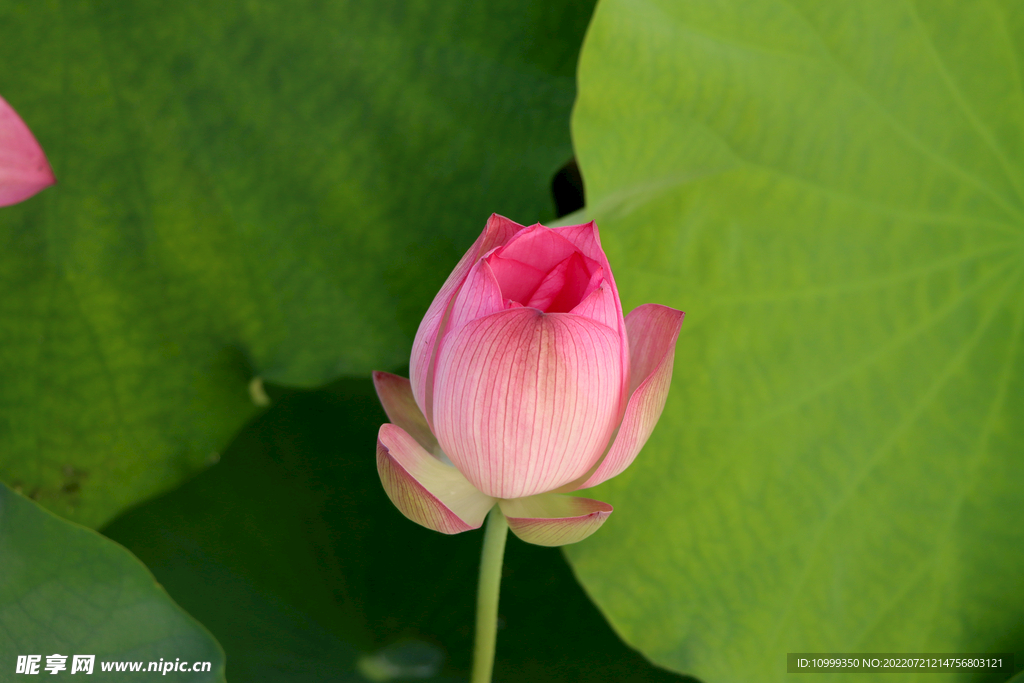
(652, 328)
(553, 520)
(424, 489)
(14, 193)
(501, 227)
(24, 169)
(386, 380)
(579, 232)
(19, 184)
(655, 311)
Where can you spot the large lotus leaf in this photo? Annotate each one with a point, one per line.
(255, 188)
(290, 552)
(833, 192)
(67, 590)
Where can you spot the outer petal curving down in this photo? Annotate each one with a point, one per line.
(395, 394)
(652, 330)
(551, 519)
(424, 489)
(24, 170)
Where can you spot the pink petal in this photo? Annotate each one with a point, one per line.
(555, 281)
(24, 170)
(551, 519)
(587, 240)
(539, 247)
(600, 306)
(517, 280)
(498, 231)
(653, 331)
(395, 395)
(479, 296)
(424, 489)
(567, 284)
(527, 401)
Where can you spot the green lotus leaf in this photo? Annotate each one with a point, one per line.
(66, 590)
(834, 193)
(246, 190)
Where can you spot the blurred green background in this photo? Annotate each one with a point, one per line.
(267, 192)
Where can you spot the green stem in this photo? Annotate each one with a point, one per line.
(487, 595)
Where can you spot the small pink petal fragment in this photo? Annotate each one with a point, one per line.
(526, 401)
(551, 519)
(24, 170)
(498, 231)
(424, 489)
(395, 395)
(653, 330)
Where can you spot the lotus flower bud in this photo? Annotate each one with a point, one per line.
(526, 382)
(24, 170)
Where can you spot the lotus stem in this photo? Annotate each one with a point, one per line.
(487, 595)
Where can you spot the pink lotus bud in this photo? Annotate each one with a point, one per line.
(24, 169)
(525, 380)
